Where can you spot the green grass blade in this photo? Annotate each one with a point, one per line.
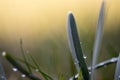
(117, 71)
(19, 67)
(47, 77)
(24, 57)
(62, 77)
(2, 73)
(98, 39)
(100, 65)
(35, 67)
(80, 75)
(75, 46)
(71, 43)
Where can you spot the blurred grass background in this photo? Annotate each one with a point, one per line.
(42, 26)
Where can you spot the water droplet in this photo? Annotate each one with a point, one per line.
(76, 76)
(76, 61)
(23, 75)
(89, 68)
(80, 42)
(85, 57)
(36, 70)
(15, 69)
(89, 72)
(3, 53)
(101, 64)
(113, 59)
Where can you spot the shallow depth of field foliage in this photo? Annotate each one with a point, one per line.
(42, 27)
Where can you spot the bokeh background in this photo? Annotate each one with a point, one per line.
(42, 26)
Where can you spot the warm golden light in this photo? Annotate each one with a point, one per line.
(42, 26)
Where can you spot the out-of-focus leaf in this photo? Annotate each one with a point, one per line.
(98, 38)
(2, 73)
(47, 77)
(19, 66)
(117, 71)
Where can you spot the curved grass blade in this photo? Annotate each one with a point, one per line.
(117, 71)
(19, 67)
(100, 65)
(24, 57)
(2, 73)
(47, 77)
(35, 67)
(98, 39)
(80, 75)
(75, 47)
(104, 63)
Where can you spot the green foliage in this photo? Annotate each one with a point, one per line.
(24, 57)
(98, 38)
(18, 66)
(80, 75)
(37, 67)
(75, 46)
(76, 51)
(117, 71)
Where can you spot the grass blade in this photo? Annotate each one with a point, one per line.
(100, 65)
(24, 57)
(2, 74)
(47, 77)
(98, 39)
(117, 71)
(35, 66)
(19, 67)
(75, 47)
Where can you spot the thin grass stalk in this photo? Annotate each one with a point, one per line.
(19, 67)
(47, 77)
(35, 66)
(24, 57)
(104, 63)
(98, 39)
(100, 65)
(75, 47)
(117, 71)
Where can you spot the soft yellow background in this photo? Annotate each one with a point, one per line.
(42, 26)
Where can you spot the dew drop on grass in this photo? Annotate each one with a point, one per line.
(15, 69)
(23, 75)
(36, 70)
(89, 72)
(3, 53)
(76, 76)
(101, 64)
(85, 57)
(80, 42)
(76, 61)
(113, 59)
